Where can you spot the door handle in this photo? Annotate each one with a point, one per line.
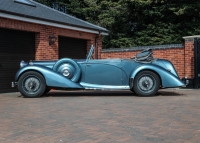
(88, 64)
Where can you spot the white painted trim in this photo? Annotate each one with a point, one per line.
(191, 37)
(9, 16)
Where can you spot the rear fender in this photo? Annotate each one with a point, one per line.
(167, 78)
(53, 79)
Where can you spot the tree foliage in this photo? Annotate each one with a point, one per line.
(138, 22)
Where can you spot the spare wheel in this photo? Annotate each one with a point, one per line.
(68, 68)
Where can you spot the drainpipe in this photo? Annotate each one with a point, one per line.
(96, 45)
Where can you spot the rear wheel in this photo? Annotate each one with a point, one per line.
(31, 84)
(146, 83)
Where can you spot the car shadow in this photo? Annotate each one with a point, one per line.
(64, 93)
(169, 93)
(88, 93)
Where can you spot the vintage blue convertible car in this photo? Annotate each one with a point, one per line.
(144, 75)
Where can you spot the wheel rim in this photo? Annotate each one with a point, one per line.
(146, 83)
(31, 85)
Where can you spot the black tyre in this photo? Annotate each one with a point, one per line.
(146, 83)
(31, 84)
(68, 68)
(47, 90)
(132, 90)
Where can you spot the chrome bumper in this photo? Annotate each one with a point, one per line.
(13, 84)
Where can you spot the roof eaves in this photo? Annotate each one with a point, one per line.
(51, 22)
(64, 14)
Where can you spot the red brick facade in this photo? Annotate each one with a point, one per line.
(42, 33)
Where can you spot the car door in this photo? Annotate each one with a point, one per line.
(103, 72)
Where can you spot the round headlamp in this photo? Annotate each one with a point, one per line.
(23, 64)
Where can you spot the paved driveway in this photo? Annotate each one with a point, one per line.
(173, 116)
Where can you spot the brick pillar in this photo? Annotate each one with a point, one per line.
(44, 51)
(89, 44)
(189, 55)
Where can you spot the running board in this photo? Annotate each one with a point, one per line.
(104, 87)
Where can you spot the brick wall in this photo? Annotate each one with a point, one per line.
(42, 33)
(175, 53)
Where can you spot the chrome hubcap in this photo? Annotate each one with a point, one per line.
(67, 70)
(146, 83)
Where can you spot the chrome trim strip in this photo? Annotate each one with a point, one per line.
(96, 86)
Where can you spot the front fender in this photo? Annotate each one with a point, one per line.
(167, 78)
(53, 79)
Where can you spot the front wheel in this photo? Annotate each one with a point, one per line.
(146, 83)
(31, 84)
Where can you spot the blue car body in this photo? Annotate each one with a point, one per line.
(112, 74)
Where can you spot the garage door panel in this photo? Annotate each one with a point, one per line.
(14, 47)
(72, 48)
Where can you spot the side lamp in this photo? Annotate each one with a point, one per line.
(52, 39)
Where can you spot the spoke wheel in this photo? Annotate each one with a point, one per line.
(146, 83)
(31, 84)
